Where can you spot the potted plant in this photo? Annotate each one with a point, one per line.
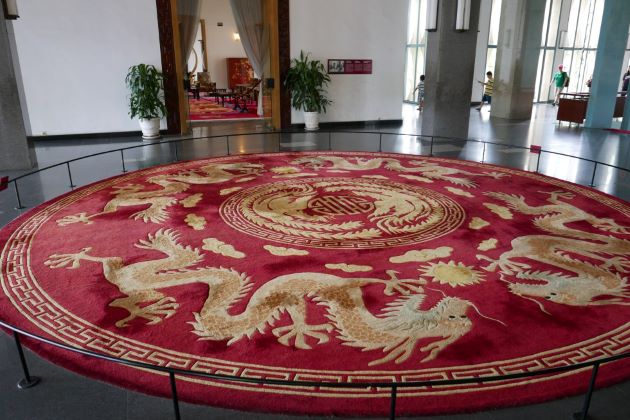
(146, 98)
(307, 81)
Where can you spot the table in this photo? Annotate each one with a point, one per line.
(222, 94)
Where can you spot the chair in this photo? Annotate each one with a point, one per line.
(248, 94)
(204, 84)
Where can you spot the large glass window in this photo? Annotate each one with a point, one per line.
(415, 52)
(574, 47)
(550, 37)
(493, 35)
(415, 48)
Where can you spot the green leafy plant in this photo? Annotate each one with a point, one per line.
(146, 98)
(307, 81)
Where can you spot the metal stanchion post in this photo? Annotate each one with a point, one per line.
(392, 404)
(17, 195)
(592, 184)
(28, 381)
(174, 394)
(583, 415)
(122, 159)
(70, 175)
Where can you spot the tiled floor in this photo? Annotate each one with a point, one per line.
(64, 395)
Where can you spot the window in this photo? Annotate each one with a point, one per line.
(415, 48)
(574, 47)
(493, 35)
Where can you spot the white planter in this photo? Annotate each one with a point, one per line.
(311, 120)
(150, 128)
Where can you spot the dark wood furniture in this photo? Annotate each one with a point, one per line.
(243, 95)
(203, 84)
(572, 107)
(222, 94)
(239, 72)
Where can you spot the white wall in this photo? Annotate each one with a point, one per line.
(74, 55)
(220, 40)
(355, 29)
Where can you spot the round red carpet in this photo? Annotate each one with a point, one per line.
(340, 267)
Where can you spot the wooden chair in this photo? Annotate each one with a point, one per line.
(248, 94)
(204, 84)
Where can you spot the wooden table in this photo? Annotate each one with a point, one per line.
(222, 93)
(241, 87)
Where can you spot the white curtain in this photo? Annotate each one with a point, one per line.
(188, 12)
(248, 15)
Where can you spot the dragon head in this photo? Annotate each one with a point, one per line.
(453, 312)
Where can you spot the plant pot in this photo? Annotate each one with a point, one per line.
(311, 120)
(150, 128)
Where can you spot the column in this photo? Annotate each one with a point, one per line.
(608, 62)
(15, 152)
(449, 71)
(517, 58)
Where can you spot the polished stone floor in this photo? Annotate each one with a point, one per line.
(568, 152)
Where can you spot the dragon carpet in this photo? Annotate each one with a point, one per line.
(328, 266)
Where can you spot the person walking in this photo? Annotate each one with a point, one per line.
(487, 91)
(420, 89)
(560, 80)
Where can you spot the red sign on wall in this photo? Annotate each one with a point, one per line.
(343, 66)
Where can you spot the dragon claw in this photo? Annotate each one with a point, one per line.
(433, 349)
(555, 195)
(618, 263)
(402, 286)
(153, 313)
(609, 225)
(75, 218)
(62, 260)
(284, 334)
(504, 264)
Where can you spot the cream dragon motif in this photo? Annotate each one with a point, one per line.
(160, 199)
(395, 331)
(592, 284)
(426, 169)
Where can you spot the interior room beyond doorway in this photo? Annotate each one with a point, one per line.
(222, 83)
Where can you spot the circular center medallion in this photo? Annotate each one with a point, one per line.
(342, 213)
